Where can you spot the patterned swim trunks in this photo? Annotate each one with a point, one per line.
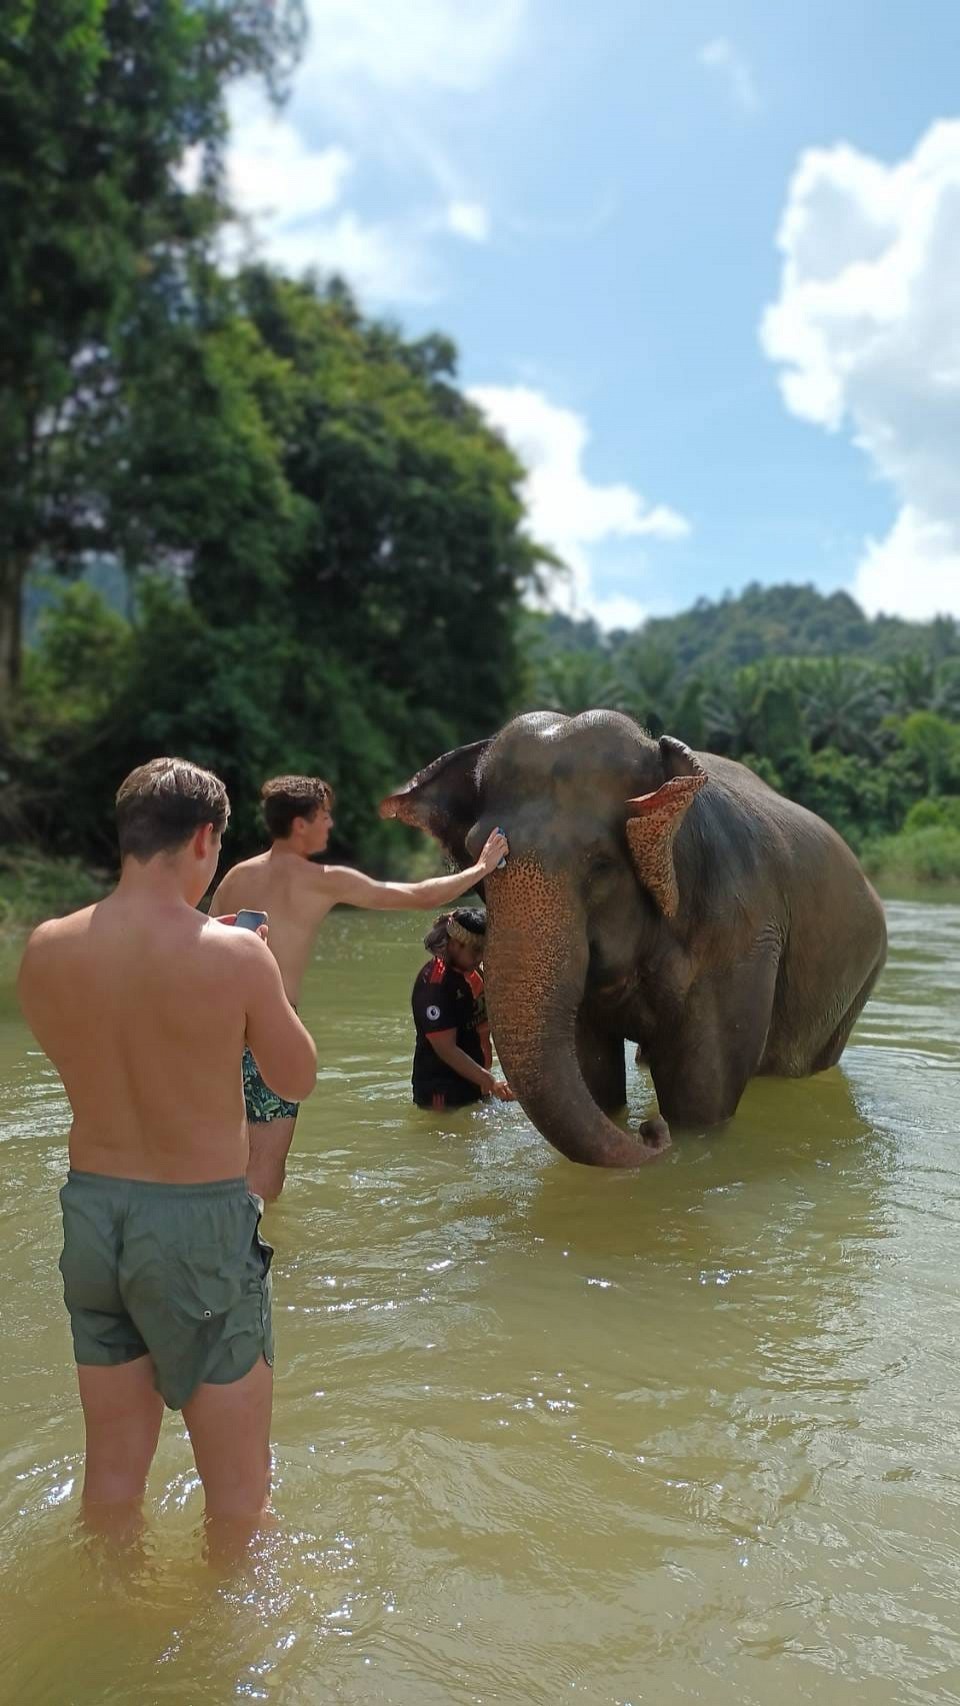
(262, 1103)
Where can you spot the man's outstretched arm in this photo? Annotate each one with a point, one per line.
(352, 888)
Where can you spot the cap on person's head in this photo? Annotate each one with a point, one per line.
(160, 805)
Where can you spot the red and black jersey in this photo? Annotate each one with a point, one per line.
(446, 1000)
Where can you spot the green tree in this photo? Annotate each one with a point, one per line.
(104, 244)
(935, 745)
(647, 673)
(574, 681)
(411, 553)
(318, 610)
(83, 651)
(843, 703)
(858, 797)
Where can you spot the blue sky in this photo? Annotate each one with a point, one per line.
(700, 261)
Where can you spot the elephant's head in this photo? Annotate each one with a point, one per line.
(592, 808)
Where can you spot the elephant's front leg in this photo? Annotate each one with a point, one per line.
(702, 1059)
(601, 1061)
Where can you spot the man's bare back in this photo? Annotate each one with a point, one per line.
(143, 1010)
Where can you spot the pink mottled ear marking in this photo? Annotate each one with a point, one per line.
(652, 823)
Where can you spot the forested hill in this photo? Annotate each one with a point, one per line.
(765, 622)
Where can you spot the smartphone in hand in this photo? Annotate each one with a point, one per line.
(247, 919)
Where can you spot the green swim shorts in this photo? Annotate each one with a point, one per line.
(262, 1103)
(178, 1273)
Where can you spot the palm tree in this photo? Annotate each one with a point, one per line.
(732, 712)
(572, 682)
(913, 684)
(646, 674)
(844, 703)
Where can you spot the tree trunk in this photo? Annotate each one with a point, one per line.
(12, 570)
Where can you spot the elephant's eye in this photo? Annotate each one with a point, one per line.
(601, 865)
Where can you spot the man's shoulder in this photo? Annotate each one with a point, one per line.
(317, 878)
(254, 863)
(53, 933)
(226, 939)
(318, 871)
(237, 959)
(51, 947)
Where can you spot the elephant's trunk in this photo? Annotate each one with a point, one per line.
(535, 975)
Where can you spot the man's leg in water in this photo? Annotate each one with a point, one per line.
(229, 1428)
(270, 1142)
(122, 1412)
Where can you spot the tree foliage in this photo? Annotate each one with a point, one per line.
(322, 538)
(106, 276)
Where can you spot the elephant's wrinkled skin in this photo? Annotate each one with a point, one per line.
(657, 894)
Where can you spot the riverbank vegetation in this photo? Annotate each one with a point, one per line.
(34, 886)
(245, 521)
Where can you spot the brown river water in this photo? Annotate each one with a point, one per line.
(542, 1434)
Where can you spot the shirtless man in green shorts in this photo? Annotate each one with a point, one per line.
(143, 1003)
(297, 894)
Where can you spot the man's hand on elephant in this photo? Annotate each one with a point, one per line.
(495, 848)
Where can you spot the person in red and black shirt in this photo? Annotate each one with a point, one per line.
(451, 1064)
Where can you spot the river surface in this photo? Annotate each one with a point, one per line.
(541, 1433)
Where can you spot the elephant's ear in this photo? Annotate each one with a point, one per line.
(653, 821)
(442, 799)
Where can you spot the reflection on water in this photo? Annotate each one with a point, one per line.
(541, 1432)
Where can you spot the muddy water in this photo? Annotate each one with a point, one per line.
(541, 1434)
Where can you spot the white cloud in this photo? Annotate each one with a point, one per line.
(399, 43)
(567, 511)
(469, 219)
(867, 331)
(721, 57)
(383, 263)
(275, 176)
(287, 195)
(617, 612)
(914, 572)
(375, 75)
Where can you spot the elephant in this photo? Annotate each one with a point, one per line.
(654, 894)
